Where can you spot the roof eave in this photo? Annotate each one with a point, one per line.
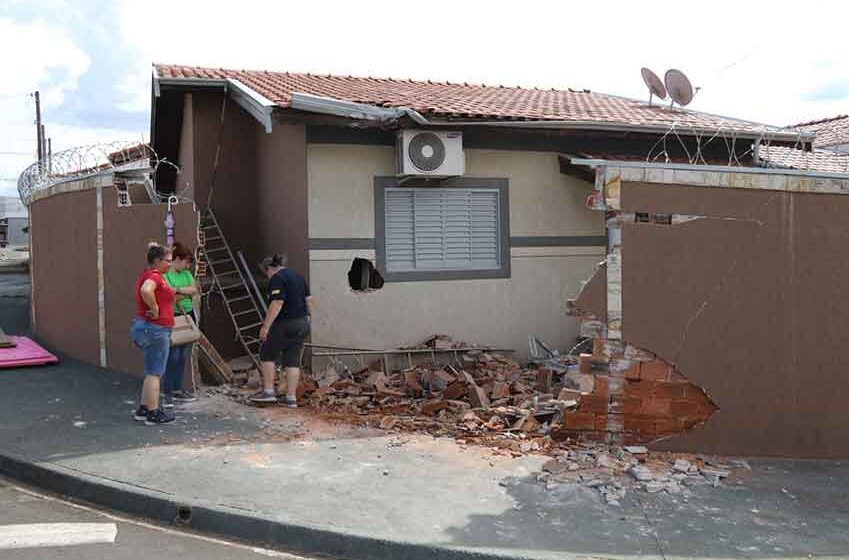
(779, 136)
(595, 163)
(259, 106)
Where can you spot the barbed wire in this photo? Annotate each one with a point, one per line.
(89, 160)
(672, 147)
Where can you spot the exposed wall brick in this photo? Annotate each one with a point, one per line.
(670, 390)
(656, 370)
(579, 421)
(640, 425)
(595, 404)
(601, 386)
(655, 407)
(638, 402)
(633, 372)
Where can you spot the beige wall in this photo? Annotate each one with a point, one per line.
(503, 312)
(543, 201)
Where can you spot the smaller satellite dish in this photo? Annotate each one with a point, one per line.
(679, 87)
(654, 84)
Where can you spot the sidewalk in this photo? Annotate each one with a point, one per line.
(288, 479)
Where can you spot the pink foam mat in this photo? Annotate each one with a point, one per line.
(26, 353)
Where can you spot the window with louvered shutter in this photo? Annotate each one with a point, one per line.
(442, 229)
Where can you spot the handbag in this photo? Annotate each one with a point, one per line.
(185, 331)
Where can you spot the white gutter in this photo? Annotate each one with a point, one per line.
(617, 127)
(259, 106)
(594, 163)
(361, 111)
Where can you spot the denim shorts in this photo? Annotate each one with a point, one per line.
(155, 341)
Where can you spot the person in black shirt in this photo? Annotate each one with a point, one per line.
(286, 326)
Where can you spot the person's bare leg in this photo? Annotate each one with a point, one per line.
(268, 375)
(293, 376)
(150, 392)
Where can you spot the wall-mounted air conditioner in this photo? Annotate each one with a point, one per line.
(432, 154)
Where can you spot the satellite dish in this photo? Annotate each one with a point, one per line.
(654, 84)
(679, 87)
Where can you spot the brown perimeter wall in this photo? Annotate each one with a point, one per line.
(751, 303)
(63, 233)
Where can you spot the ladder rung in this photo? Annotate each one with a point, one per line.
(253, 326)
(228, 261)
(216, 249)
(208, 239)
(231, 286)
(245, 312)
(241, 298)
(209, 226)
(228, 273)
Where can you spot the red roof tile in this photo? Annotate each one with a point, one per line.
(830, 132)
(463, 101)
(818, 160)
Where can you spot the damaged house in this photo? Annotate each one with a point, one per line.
(714, 262)
(700, 254)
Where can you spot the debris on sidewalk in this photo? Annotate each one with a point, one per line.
(613, 471)
(483, 397)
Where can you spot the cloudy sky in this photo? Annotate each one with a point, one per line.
(774, 62)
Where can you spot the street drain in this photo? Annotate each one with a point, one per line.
(184, 515)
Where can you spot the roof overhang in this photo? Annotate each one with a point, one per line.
(261, 108)
(765, 135)
(603, 163)
(258, 106)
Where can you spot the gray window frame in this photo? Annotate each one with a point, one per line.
(381, 184)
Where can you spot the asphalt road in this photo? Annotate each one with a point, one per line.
(38, 527)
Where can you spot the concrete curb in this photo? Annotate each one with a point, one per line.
(221, 521)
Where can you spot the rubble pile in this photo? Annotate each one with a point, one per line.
(483, 394)
(613, 470)
(480, 396)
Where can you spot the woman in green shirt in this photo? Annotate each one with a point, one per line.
(181, 279)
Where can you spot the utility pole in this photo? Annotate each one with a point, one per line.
(50, 155)
(43, 143)
(39, 129)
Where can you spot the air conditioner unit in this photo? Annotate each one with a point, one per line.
(432, 154)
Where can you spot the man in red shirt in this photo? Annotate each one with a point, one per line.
(151, 331)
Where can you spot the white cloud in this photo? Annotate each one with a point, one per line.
(39, 50)
(38, 57)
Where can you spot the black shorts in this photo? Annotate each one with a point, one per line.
(287, 338)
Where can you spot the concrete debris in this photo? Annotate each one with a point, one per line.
(682, 465)
(482, 397)
(636, 449)
(641, 473)
(612, 471)
(478, 394)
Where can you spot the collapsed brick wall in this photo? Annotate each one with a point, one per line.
(647, 401)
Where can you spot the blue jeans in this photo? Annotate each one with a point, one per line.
(173, 380)
(155, 342)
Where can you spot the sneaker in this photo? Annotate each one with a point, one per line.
(289, 402)
(166, 401)
(140, 415)
(263, 397)
(158, 416)
(184, 396)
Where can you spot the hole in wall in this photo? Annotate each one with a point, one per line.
(363, 276)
